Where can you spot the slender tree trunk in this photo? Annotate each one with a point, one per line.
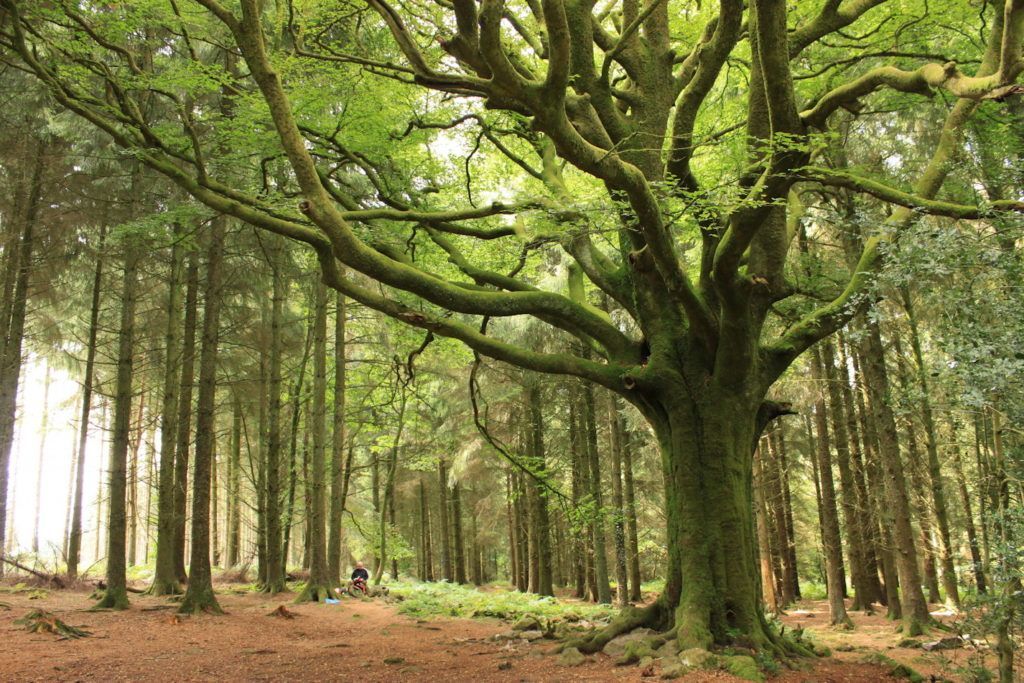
(938, 494)
(338, 482)
(604, 593)
(632, 537)
(234, 539)
(876, 495)
(13, 328)
(442, 508)
(919, 503)
(539, 468)
(865, 520)
(319, 585)
(215, 507)
(428, 556)
(578, 486)
(199, 596)
(274, 580)
(513, 531)
(43, 428)
(135, 443)
(458, 545)
(771, 601)
(863, 593)
(183, 423)
(829, 516)
(116, 595)
(293, 465)
(619, 527)
(965, 500)
(771, 467)
(914, 606)
(792, 579)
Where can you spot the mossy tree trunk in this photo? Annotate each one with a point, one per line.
(199, 596)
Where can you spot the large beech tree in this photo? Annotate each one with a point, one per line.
(622, 94)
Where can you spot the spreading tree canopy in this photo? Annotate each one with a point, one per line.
(664, 149)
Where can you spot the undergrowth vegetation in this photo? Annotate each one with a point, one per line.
(425, 600)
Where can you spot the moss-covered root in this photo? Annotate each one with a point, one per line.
(200, 601)
(160, 588)
(272, 587)
(315, 592)
(113, 598)
(630, 618)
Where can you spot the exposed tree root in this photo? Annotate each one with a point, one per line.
(41, 621)
(113, 599)
(652, 616)
(160, 588)
(315, 592)
(200, 601)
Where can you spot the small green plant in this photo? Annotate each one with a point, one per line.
(446, 599)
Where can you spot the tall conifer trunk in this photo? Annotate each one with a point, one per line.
(75, 532)
(116, 594)
(199, 596)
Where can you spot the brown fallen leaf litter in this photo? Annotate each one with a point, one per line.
(354, 641)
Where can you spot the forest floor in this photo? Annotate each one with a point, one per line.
(359, 640)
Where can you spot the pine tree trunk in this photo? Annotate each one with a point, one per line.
(863, 594)
(116, 595)
(938, 494)
(273, 578)
(183, 423)
(338, 481)
(578, 486)
(604, 592)
(458, 543)
(771, 465)
(897, 512)
(632, 537)
(791, 578)
(965, 500)
(319, 585)
(540, 500)
(771, 601)
(829, 516)
(874, 487)
(865, 520)
(43, 428)
(618, 527)
(234, 525)
(135, 443)
(13, 328)
(513, 535)
(199, 596)
(442, 508)
(293, 465)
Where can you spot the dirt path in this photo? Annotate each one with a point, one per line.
(364, 641)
